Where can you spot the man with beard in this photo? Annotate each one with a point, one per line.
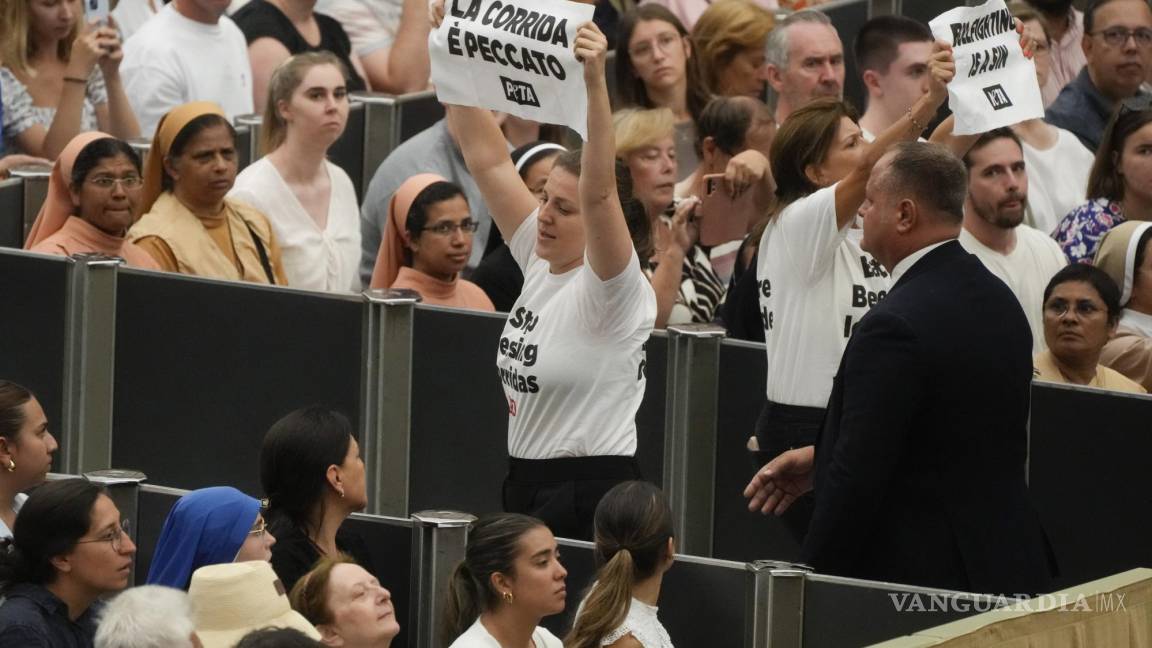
(1065, 27)
(1022, 257)
(1117, 44)
(805, 61)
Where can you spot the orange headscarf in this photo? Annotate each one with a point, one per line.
(169, 127)
(391, 255)
(58, 206)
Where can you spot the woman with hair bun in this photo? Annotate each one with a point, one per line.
(510, 578)
(69, 549)
(634, 547)
(313, 477)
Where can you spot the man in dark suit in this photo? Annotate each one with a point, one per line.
(919, 470)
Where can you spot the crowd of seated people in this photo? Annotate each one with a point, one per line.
(602, 241)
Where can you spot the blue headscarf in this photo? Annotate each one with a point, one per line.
(206, 527)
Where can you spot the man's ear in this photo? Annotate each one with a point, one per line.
(775, 79)
(872, 83)
(907, 216)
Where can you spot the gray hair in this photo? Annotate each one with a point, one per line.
(931, 175)
(776, 49)
(149, 616)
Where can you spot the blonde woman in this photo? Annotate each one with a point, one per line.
(60, 77)
(310, 201)
(729, 42)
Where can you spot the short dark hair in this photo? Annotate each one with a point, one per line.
(294, 460)
(190, 130)
(96, 152)
(987, 138)
(1105, 287)
(1090, 13)
(931, 175)
(726, 120)
(55, 516)
(277, 638)
(878, 42)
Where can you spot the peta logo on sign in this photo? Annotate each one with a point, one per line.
(997, 97)
(519, 92)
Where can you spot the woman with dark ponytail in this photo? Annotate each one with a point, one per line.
(634, 547)
(68, 549)
(26, 449)
(510, 578)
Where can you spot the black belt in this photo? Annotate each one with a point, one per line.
(573, 468)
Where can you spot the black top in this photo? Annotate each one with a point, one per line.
(33, 617)
(919, 474)
(741, 309)
(294, 553)
(262, 19)
(500, 277)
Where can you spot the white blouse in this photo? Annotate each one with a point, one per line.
(314, 258)
(642, 623)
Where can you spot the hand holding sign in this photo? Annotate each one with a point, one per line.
(995, 82)
(591, 48)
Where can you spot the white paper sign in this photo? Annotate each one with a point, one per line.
(995, 84)
(514, 56)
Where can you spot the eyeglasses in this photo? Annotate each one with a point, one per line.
(113, 536)
(1084, 309)
(127, 182)
(444, 228)
(1118, 36)
(259, 528)
(647, 48)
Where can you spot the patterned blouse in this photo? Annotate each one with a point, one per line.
(701, 290)
(20, 113)
(1079, 232)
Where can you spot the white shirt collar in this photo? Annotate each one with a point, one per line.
(910, 260)
(1137, 321)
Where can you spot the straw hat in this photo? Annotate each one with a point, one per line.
(233, 599)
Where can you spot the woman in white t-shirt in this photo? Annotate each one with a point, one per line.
(634, 548)
(26, 448)
(510, 578)
(571, 357)
(815, 280)
(310, 202)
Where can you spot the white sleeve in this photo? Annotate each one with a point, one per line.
(523, 241)
(615, 308)
(807, 234)
(152, 91)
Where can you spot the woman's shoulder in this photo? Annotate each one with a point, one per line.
(340, 180)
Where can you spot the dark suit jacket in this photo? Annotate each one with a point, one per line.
(920, 465)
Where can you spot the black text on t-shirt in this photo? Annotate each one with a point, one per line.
(518, 350)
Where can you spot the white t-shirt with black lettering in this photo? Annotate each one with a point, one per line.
(815, 285)
(571, 357)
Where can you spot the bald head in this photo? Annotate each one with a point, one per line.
(914, 198)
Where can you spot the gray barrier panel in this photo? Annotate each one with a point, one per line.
(737, 533)
(389, 542)
(208, 366)
(849, 17)
(12, 213)
(1089, 462)
(32, 337)
(842, 612)
(702, 601)
(348, 151)
(459, 441)
(926, 10)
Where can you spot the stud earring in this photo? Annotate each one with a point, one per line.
(507, 597)
(11, 466)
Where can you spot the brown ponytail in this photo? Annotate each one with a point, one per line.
(633, 525)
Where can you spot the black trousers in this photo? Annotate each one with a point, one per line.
(564, 492)
(780, 428)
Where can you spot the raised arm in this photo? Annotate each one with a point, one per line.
(850, 191)
(486, 154)
(608, 243)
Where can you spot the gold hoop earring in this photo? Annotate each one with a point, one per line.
(507, 597)
(11, 466)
